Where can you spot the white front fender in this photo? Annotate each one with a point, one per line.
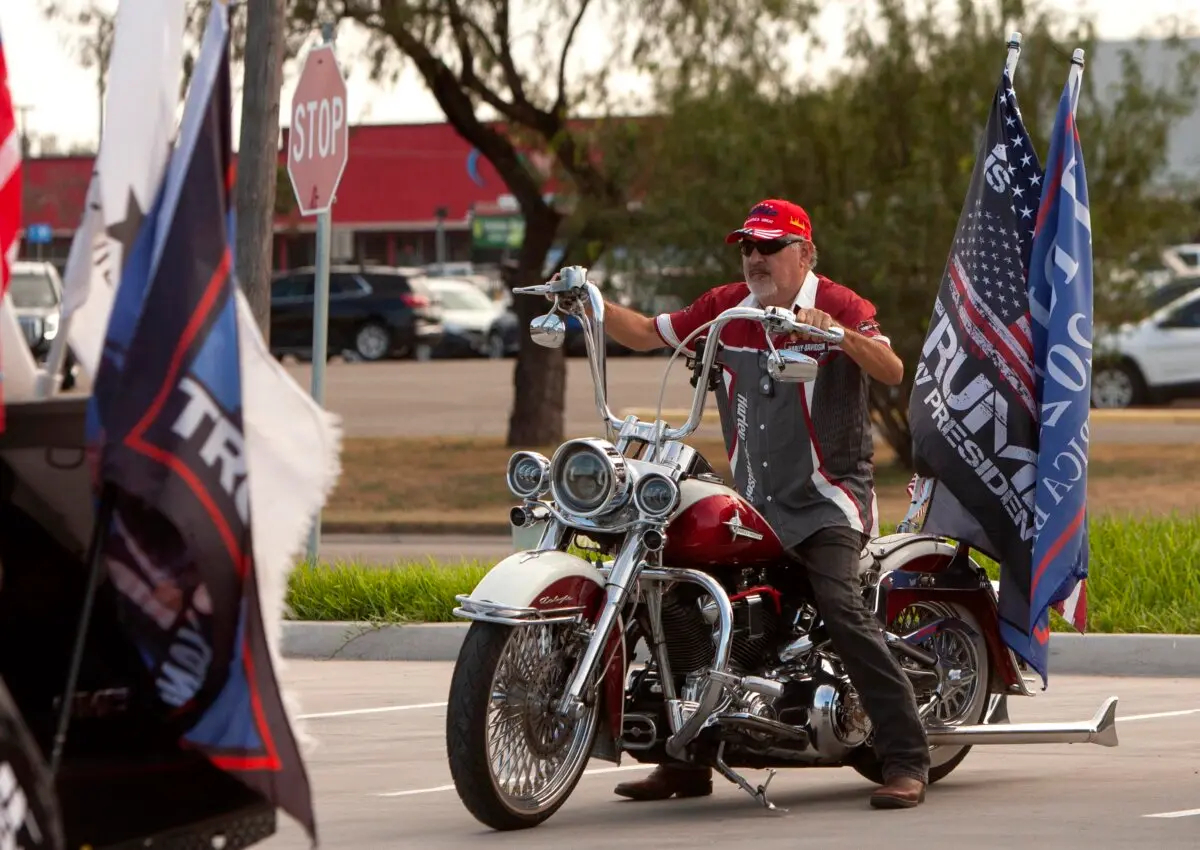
(534, 586)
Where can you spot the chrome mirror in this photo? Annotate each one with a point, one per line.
(791, 367)
(548, 331)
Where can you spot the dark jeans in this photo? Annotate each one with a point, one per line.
(831, 560)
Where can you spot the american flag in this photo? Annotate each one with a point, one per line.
(10, 192)
(989, 259)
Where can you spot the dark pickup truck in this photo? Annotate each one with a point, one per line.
(124, 781)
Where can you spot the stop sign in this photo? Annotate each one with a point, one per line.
(318, 142)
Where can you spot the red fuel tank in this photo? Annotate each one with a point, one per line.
(716, 527)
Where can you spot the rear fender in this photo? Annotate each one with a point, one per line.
(927, 568)
(527, 588)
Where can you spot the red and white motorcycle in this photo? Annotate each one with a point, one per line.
(738, 671)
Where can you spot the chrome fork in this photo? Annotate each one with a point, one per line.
(620, 580)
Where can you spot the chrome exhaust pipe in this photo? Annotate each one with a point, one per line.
(1101, 729)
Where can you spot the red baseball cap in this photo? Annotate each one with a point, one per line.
(773, 219)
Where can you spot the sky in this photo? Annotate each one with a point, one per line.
(64, 103)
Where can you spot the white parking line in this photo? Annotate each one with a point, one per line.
(380, 710)
(1183, 713)
(1186, 813)
(602, 770)
(594, 772)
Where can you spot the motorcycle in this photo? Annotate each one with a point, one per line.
(641, 543)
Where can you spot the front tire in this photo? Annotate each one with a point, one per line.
(966, 705)
(513, 762)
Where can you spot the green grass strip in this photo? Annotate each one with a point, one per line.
(1144, 578)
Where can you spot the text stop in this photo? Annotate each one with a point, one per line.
(316, 127)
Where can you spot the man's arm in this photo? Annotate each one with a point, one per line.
(872, 353)
(876, 358)
(630, 328)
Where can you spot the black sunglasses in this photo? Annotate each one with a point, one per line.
(766, 247)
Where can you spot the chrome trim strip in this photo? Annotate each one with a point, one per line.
(493, 612)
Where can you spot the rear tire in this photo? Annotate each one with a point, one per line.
(973, 704)
(493, 658)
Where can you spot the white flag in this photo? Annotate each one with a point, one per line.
(293, 457)
(144, 73)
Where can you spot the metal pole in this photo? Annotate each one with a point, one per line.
(320, 320)
(441, 213)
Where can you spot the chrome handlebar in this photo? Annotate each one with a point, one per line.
(570, 288)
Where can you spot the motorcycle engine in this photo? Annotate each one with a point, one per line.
(690, 624)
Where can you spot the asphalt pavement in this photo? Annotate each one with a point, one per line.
(385, 549)
(473, 397)
(381, 780)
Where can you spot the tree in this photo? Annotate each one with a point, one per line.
(882, 153)
(258, 155)
(257, 33)
(466, 53)
(90, 38)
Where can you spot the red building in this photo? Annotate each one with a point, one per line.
(398, 178)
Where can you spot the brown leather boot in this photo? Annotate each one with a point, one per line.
(669, 781)
(899, 792)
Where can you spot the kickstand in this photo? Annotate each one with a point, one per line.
(759, 793)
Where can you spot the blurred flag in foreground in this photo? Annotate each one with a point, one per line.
(10, 195)
(142, 98)
(214, 461)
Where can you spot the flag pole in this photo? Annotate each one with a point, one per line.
(95, 560)
(1075, 79)
(1014, 54)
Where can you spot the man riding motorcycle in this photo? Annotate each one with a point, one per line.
(802, 455)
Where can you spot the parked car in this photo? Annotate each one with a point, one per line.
(36, 293)
(375, 312)
(467, 314)
(1154, 361)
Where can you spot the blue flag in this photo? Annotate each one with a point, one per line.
(166, 422)
(1060, 300)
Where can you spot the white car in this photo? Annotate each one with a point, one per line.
(1154, 361)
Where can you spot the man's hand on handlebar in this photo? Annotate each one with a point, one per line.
(815, 318)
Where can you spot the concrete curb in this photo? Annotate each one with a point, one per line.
(1170, 656)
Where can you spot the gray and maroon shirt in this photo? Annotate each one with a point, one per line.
(802, 454)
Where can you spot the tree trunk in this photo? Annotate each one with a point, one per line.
(891, 416)
(540, 374)
(258, 158)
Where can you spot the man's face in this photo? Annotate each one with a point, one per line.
(771, 267)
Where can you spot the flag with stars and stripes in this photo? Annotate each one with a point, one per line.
(10, 193)
(973, 410)
(1060, 298)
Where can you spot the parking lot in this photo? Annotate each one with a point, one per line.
(474, 397)
(380, 779)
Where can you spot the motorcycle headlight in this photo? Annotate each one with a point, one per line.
(588, 477)
(656, 495)
(527, 474)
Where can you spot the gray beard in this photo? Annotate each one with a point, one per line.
(762, 291)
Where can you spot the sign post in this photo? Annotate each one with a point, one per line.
(318, 146)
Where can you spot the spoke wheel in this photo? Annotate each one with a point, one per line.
(513, 759)
(964, 701)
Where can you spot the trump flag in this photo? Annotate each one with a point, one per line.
(182, 418)
(1060, 301)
